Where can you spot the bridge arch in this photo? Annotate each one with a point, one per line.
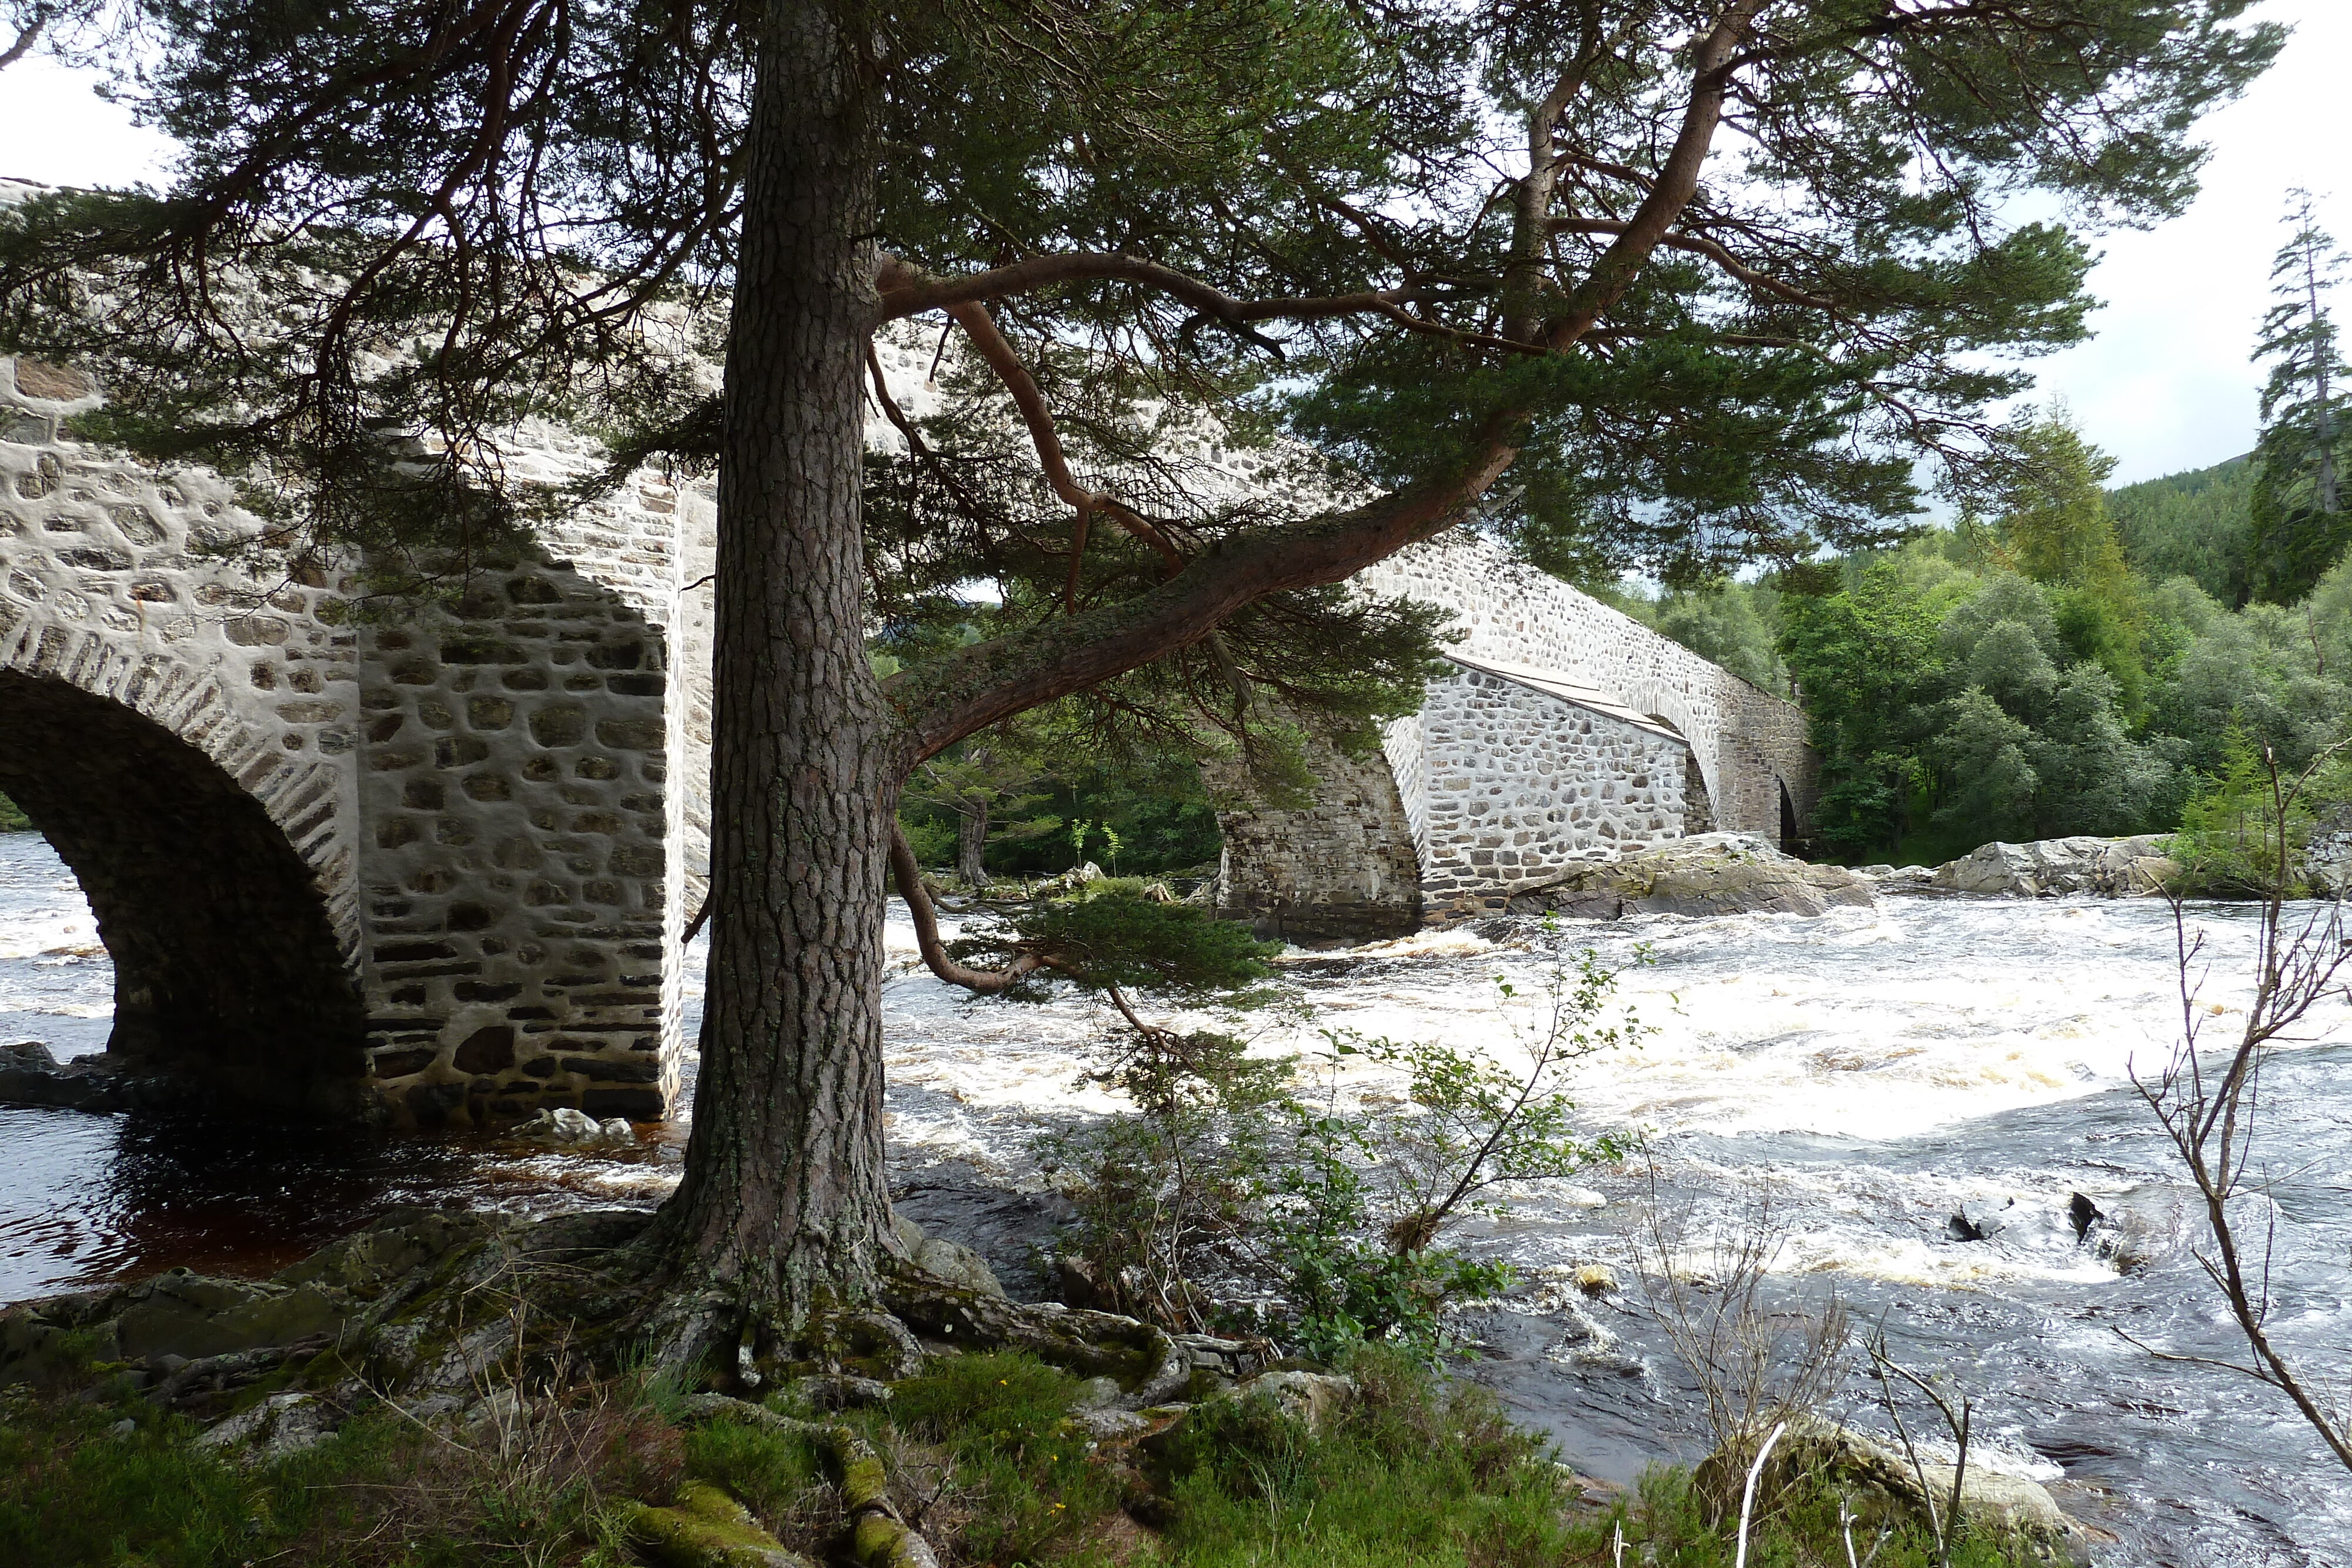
(1692, 718)
(184, 833)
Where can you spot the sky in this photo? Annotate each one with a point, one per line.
(2165, 385)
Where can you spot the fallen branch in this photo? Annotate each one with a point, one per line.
(909, 877)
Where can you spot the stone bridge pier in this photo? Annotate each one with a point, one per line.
(1561, 730)
(417, 866)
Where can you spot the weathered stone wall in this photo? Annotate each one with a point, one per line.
(420, 865)
(1511, 612)
(1500, 784)
(1769, 764)
(1518, 785)
(1341, 868)
(511, 781)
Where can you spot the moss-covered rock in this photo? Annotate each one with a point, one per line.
(707, 1529)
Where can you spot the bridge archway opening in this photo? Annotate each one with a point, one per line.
(228, 968)
(1698, 805)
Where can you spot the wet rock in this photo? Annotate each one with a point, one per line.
(1711, 873)
(2117, 868)
(566, 1128)
(2083, 1213)
(1013, 1231)
(1597, 1280)
(30, 1075)
(1965, 1226)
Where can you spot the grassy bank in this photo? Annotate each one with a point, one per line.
(983, 1453)
(12, 820)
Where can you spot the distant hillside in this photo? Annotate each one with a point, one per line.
(2189, 525)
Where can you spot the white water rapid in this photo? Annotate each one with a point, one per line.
(1869, 1073)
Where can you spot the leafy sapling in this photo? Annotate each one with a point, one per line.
(1155, 1189)
(1355, 1213)
(1477, 1122)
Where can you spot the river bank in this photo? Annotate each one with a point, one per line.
(1872, 1069)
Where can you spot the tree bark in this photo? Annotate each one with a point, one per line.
(971, 841)
(783, 1208)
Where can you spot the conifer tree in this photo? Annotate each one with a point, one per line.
(1704, 277)
(2299, 527)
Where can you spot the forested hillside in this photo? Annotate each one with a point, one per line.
(2082, 661)
(2191, 524)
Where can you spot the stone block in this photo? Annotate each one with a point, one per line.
(631, 734)
(559, 725)
(489, 1050)
(481, 651)
(488, 712)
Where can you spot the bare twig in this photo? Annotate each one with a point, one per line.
(2209, 1111)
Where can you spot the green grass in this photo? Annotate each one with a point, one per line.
(12, 820)
(984, 1458)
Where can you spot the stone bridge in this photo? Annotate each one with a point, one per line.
(433, 864)
(426, 865)
(1563, 731)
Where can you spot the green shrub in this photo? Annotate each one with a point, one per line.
(767, 1470)
(1032, 1489)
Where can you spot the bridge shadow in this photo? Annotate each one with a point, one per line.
(229, 973)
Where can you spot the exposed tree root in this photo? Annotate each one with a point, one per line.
(878, 1535)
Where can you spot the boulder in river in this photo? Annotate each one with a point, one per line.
(1966, 1226)
(1708, 873)
(565, 1128)
(29, 1076)
(2117, 868)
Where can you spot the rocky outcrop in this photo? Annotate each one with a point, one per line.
(1711, 873)
(193, 1329)
(2017, 1512)
(2117, 868)
(29, 1076)
(2327, 855)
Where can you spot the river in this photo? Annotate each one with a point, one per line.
(1867, 1072)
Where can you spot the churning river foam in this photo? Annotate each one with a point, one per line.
(1866, 1074)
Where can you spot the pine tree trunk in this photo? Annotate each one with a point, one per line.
(971, 841)
(784, 1206)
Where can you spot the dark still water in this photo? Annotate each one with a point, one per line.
(1867, 1073)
